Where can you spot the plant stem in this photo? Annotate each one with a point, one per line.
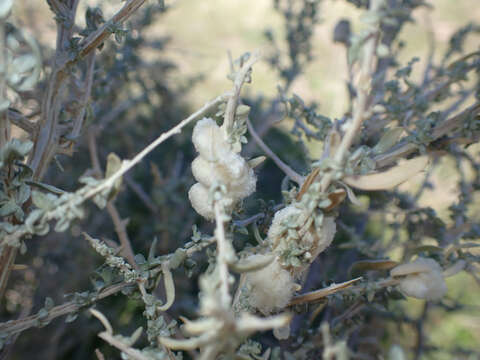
(292, 174)
(237, 87)
(222, 256)
(363, 89)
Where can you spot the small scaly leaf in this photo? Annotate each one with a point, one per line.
(388, 139)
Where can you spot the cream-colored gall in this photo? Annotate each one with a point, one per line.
(198, 196)
(217, 163)
(270, 288)
(421, 279)
(208, 139)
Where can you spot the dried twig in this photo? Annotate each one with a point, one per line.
(120, 225)
(292, 174)
(131, 352)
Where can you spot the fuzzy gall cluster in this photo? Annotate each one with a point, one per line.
(217, 164)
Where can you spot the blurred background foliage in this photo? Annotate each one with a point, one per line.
(169, 63)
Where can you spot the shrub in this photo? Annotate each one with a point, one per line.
(330, 261)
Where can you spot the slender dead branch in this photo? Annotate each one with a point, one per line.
(131, 352)
(78, 120)
(118, 222)
(129, 164)
(21, 121)
(292, 174)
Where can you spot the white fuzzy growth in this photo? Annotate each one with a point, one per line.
(323, 238)
(205, 172)
(217, 163)
(198, 195)
(422, 279)
(270, 288)
(208, 139)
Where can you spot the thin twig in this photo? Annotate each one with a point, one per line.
(222, 265)
(129, 164)
(237, 87)
(15, 326)
(78, 120)
(292, 174)
(361, 104)
(47, 138)
(119, 224)
(447, 127)
(363, 88)
(131, 352)
(99, 354)
(18, 119)
(120, 229)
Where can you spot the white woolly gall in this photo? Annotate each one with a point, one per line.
(208, 139)
(205, 172)
(270, 288)
(217, 163)
(323, 238)
(421, 279)
(238, 177)
(198, 195)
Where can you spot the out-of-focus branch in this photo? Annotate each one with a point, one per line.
(119, 223)
(21, 121)
(46, 141)
(361, 104)
(448, 127)
(78, 120)
(292, 174)
(16, 326)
